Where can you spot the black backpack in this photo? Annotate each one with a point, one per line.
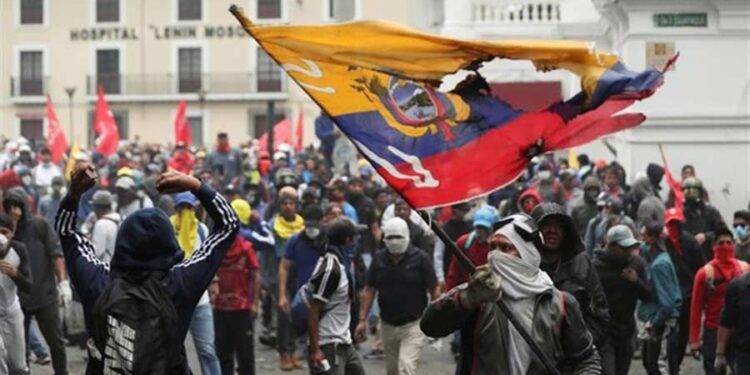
(134, 328)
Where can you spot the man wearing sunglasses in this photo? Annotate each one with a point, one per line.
(490, 345)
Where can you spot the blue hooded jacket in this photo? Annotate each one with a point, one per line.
(146, 242)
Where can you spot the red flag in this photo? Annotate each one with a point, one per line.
(282, 133)
(105, 127)
(57, 142)
(181, 125)
(679, 195)
(299, 132)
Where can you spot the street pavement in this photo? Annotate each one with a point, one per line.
(434, 360)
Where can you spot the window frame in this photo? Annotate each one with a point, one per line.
(121, 46)
(175, 64)
(17, 15)
(176, 13)
(282, 19)
(256, 73)
(326, 11)
(93, 9)
(203, 115)
(17, 50)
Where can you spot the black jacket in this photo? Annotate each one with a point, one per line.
(702, 218)
(576, 274)
(562, 336)
(622, 295)
(687, 264)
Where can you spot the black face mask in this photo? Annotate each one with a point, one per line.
(591, 195)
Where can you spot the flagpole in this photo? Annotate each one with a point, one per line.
(71, 91)
(465, 263)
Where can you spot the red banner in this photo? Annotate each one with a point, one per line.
(57, 141)
(181, 125)
(105, 127)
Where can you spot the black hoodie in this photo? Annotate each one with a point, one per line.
(42, 246)
(622, 295)
(576, 274)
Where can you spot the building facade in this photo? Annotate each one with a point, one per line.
(149, 55)
(702, 114)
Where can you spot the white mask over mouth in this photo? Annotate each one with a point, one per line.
(396, 236)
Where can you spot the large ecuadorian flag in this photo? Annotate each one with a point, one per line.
(378, 82)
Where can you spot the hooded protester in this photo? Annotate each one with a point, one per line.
(586, 209)
(687, 259)
(624, 280)
(701, 219)
(564, 259)
(612, 214)
(50, 283)
(490, 345)
(476, 245)
(528, 200)
(709, 290)
(455, 227)
(742, 230)
(402, 277)
(143, 301)
(646, 206)
(15, 277)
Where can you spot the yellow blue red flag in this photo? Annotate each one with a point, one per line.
(378, 82)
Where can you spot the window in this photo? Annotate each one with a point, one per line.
(189, 66)
(196, 130)
(121, 119)
(31, 80)
(268, 72)
(32, 12)
(189, 10)
(107, 10)
(269, 9)
(258, 126)
(108, 70)
(340, 10)
(33, 130)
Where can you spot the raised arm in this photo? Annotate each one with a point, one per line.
(88, 274)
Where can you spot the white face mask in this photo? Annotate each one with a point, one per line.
(545, 175)
(396, 246)
(313, 232)
(26, 180)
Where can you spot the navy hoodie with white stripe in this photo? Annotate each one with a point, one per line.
(146, 242)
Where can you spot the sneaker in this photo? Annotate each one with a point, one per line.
(374, 354)
(43, 360)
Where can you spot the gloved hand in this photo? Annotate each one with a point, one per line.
(483, 286)
(720, 364)
(66, 294)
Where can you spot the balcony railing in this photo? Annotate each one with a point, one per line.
(22, 86)
(174, 84)
(515, 11)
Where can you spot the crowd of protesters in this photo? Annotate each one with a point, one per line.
(626, 263)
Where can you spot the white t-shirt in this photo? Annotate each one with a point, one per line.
(8, 290)
(330, 285)
(43, 175)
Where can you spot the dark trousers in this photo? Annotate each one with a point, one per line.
(708, 350)
(651, 348)
(607, 354)
(742, 361)
(622, 351)
(677, 346)
(48, 319)
(235, 339)
(268, 307)
(344, 360)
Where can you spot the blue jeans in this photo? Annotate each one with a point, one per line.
(35, 341)
(202, 330)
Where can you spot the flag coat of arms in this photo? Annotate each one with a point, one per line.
(378, 82)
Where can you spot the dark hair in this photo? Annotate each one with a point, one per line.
(45, 151)
(686, 167)
(654, 229)
(340, 230)
(222, 135)
(723, 231)
(742, 214)
(6, 222)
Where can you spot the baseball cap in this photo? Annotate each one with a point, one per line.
(102, 198)
(185, 198)
(125, 182)
(312, 213)
(486, 217)
(621, 235)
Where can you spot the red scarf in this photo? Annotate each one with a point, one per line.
(673, 232)
(223, 147)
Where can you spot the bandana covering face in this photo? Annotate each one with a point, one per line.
(285, 229)
(186, 226)
(522, 281)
